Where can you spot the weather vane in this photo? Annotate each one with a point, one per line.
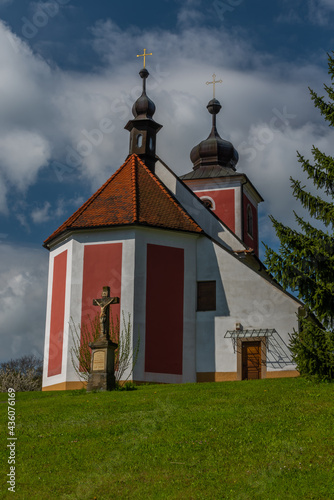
(214, 84)
(144, 56)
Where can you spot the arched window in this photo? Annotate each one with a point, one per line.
(139, 140)
(208, 202)
(151, 144)
(250, 221)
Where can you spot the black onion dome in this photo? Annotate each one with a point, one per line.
(144, 106)
(214, 150)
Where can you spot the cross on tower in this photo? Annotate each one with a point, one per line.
(144, 56)
(105, 303)
(214, 84)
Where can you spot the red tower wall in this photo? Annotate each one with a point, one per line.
(164, 309)
(102, 267)
(57, 314)
(252, 242)
(224, 203)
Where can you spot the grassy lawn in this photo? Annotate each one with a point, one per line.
(266, 439)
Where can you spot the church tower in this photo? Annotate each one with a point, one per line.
(228, 193)
(143, 129)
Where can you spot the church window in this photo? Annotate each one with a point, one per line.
(139, 140)
(250, 221)
(208, 202)
(151, 144)
(206, 296)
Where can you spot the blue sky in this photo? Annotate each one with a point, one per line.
(65, 65)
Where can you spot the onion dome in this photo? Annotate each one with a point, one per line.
(214, 150)
(144, 106)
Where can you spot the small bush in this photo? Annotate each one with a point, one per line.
(22, 374)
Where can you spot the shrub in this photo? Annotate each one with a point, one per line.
(22, 374)
(125, 355)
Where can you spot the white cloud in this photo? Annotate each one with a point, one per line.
(47, 212)
(49, 115)
(39, 215)
(22, 154)
(190, 13)
(23, 276)
(292, 17)
(317, 12)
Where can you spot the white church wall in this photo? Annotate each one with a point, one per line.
(126, 237)
(74, 282)
(207, 270)
(255, 303)
(188, 244)
(61, 377)
(242, 296)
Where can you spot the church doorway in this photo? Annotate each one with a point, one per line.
(251, 360)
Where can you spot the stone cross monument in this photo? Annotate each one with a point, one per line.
(102, 365)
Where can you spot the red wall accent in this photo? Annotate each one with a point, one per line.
(102, 266)
(251, 242)
(57, 314)
(164, 309)
(225, 206)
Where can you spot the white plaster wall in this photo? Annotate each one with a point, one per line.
(188, 243)
(74, 318)
(57, 379)
(124, 236)
(48, 322)
(207, 270)
(250, 195)
(74, 282)
(256, 304)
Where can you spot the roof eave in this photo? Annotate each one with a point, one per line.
(59, 238)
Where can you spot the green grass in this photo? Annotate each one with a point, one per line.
(266, 439)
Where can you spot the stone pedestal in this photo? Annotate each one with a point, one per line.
(102, 374)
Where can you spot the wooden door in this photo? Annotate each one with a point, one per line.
(251, 360)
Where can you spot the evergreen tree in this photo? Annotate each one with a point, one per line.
(305, 260)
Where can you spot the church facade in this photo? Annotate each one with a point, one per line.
(181, 253)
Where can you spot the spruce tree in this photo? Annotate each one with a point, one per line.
(305, 260)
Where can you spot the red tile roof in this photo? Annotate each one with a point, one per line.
(133, 195)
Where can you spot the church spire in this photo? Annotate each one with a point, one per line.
(143, 129)
(214, 151)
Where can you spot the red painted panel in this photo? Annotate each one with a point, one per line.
(224, 203)
(164, 309)
(57, 314)
(102, 267)
(252, 242)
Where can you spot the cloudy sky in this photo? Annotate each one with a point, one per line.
(65, 65)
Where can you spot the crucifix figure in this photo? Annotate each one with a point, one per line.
(105, 303)
(214, 84)
(144, 56)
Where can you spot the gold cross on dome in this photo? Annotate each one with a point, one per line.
(214, 84)
(144, 56)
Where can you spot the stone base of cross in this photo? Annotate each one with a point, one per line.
(102, 374)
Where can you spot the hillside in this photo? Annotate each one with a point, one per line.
(266, 439)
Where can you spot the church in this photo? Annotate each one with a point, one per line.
(182, 255)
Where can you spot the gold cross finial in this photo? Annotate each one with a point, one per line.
(144, 56)
(214, 84)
